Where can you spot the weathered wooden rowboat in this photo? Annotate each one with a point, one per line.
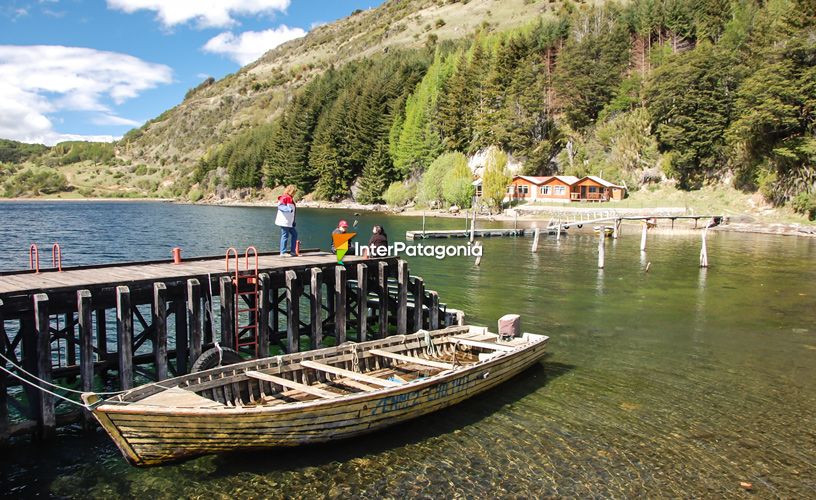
(310, 397)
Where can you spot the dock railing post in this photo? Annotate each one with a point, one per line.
(293, 292)
(402, 297)
(194, 320)
(86, 365)
(42, 326)
(316, 304)
(159, 312)
(339, 304)
(124, 336)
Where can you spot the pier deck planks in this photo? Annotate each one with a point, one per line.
(47, 281)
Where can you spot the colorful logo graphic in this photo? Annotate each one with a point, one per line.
(341, 244)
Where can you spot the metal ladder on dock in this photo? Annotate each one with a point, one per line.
(247, 300)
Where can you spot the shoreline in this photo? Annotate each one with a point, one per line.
(740, 222)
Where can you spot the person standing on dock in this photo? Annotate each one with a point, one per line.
(286, 221)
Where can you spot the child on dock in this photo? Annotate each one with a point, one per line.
(286, 221)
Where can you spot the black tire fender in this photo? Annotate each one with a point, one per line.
(211, 358)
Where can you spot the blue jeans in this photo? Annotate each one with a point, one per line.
(288, 236)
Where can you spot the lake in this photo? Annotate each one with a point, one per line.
(667, 382)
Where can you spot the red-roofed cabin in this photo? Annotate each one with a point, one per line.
(524, 187)
(556, 188)
(592, 188)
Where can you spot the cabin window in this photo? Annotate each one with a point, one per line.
(524, 189)
(559, 190)
(593, 189)
(545, 189)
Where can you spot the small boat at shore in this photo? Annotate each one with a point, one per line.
(311, 397)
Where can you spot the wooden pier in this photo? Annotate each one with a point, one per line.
(122, 325)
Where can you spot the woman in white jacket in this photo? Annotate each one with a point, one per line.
(286, 221)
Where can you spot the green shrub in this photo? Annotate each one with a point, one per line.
(805, 203)
(399, 193)
(34, 181)
(195, 195)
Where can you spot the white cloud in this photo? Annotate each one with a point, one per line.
(37, 81)
(206, 13)
(250, 45)
(109, 119)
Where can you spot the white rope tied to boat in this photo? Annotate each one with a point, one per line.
(43, 389)
(430, 348)
(22, 370)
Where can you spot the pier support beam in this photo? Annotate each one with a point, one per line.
(194, 319)
(293, 292)
(316, 303)
(86, 365)
(159, 313)
(101, 338)
(402, 297)
(124, 335)
(382, 291)
(339, 305)
(42, 325)
(362, 302)
(227, 313)
(263, 315)
(180, 314)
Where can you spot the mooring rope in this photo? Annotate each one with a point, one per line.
(21, 369)
(43, 389)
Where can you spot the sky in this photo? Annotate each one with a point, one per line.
(94, 69)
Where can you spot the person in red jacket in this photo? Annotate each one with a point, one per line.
(286, 221)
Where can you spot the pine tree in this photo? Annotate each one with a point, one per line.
(378, 174)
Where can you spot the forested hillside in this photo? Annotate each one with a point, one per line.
(636, 92)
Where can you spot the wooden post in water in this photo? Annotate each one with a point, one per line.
(227, 313)
(293, 292)
(433, 311)
(86, 365)
(402, 297)
(263, 315)
(316, 303)
(382, 293)
(42, 326)
(601, 249)
(473, 227)
(101, 338)
(616, 231)
(478, 245)
(535, 240)
(704, 251)
(419, 298)
(362, 302)
(194, 320)
(643, 236)
(339, 304)
(159, 313)
(124, 336)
